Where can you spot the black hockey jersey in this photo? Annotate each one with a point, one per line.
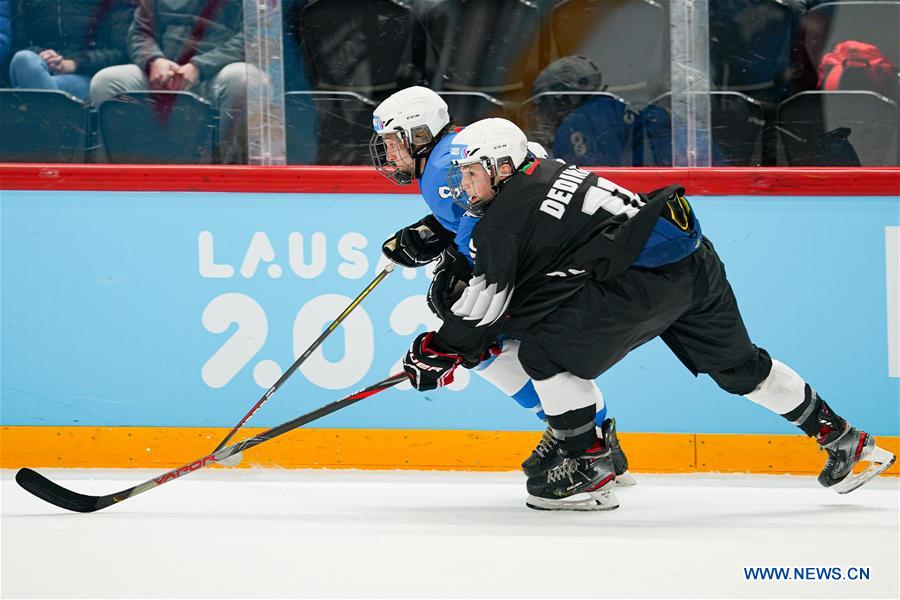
(550, 229)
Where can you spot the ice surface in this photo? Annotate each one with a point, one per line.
(271, 534)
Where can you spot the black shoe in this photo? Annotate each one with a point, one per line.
(579, 483)
(845, 450)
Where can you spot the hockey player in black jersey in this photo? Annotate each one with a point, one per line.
(582, 271)
(412, 141)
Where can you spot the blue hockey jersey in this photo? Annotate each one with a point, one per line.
(436, 192)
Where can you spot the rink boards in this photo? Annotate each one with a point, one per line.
(137, 325)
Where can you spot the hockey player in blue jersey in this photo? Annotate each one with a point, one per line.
(412, 141)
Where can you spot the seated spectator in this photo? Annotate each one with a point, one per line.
(189, 45)
(581, 129)
(854, 65)
(60, 44)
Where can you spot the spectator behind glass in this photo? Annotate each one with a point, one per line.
(5, 31)
(60, 44)
(581, 129)
(5, 41)
(189, 45)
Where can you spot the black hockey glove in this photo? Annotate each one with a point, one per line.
(429, 367)
(451, 276)
(493, 351)
(417, 244)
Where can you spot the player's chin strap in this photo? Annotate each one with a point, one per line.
(419, 165)
(421, 155)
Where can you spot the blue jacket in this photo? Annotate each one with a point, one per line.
(91, 32)
(5, 30)
(596, 133)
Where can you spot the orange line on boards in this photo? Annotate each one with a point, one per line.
(168, 447)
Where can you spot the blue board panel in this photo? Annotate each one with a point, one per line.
(180, 309)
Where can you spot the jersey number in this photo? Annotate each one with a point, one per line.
(611, 198)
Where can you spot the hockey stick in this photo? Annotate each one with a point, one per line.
(384, 273)
(53, 493)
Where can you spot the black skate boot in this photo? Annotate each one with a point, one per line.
(544, 455)
(847, 446)
(620, 461)
(579, 483)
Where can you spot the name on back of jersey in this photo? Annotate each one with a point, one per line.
(561, 191)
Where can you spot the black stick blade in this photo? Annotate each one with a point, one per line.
(43, 488)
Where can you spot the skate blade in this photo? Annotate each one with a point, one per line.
(879, 461)
(626, 479)
(592, 501)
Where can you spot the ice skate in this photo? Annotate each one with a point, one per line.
(846, 450)
(620, 461)
(579, 483)
(546, 455)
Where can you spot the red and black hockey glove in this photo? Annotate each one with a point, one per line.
(428, 367)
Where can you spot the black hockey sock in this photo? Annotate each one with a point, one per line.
(575, 430)
(804, 416)
(831, 425)
(816, 418)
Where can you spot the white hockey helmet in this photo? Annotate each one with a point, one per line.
(490, 143)
(418, 116)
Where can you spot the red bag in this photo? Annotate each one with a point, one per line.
(857, 66)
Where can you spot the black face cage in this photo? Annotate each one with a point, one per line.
(385, 166)
(418, 147)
